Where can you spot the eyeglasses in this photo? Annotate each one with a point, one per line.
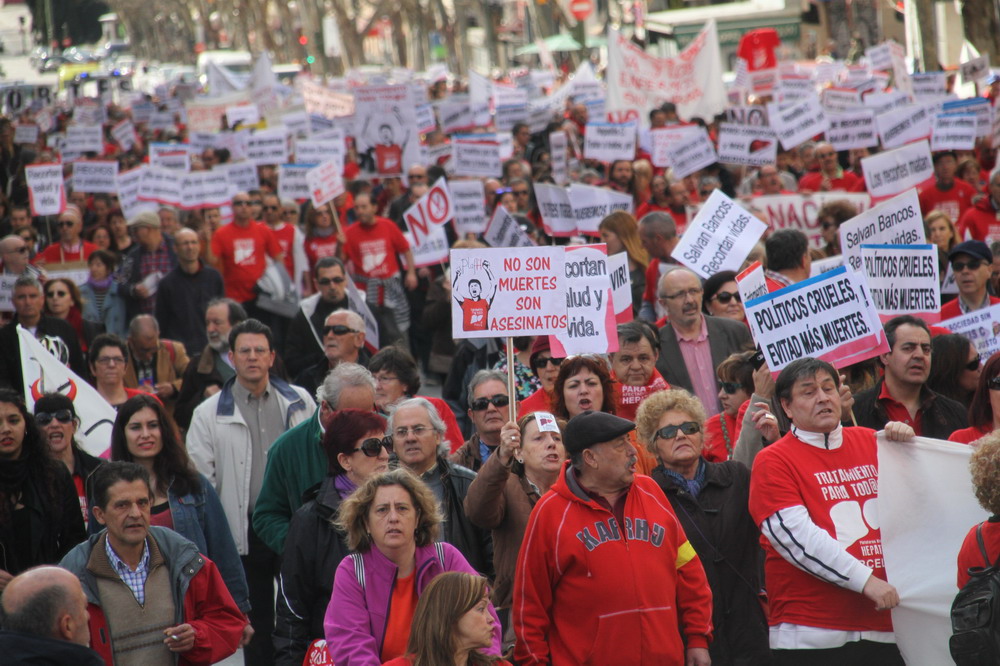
(272, 207)
(256, 202)
(498, 400)
(726, 296)
(994, 383)
(373, 446)
(693, 293)
(730, 387)
(62, 224)
(241, 203)
(58, 294)
(110, 360)
(972, 265)
(339, 329)
(383, 379)
(45, 418)
(543, 362)
(670, 432)
(417, 430)
(520, 192)
(973, 364)
(17, 250)
(325, 282)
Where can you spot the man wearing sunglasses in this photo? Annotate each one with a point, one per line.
(69, 247)
(788, 258)
(343, 342)
(972, 264)
(290, 238)
(902, 394)
(488, 400)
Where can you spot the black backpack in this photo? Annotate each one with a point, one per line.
(975, 614)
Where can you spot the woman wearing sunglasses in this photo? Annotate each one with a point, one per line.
(183, 499)
(546, 368)
(355, 451)
(955, 370)
(735, 388)
(721, 297)
(984, 408)
(710, 500)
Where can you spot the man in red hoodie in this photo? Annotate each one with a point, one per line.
(605, 574)
(982, 221)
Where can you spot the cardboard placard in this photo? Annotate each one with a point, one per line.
(590, 311)
(92, 176)
(719, 238)
(896, 170)
(903, 279)
(469, 198)
(894, 222)
(46, 191)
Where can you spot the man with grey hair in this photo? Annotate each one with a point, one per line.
(155, 365)
(488, 411)
(343, 342)
(145, 263)
(417, 436)
(296, 461)
(658, 234)
(14, 255)
(45, 620)
(53, 333)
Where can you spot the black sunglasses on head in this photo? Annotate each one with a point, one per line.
(45, 418)
(373, 446)
(670, 432)
(498, 400)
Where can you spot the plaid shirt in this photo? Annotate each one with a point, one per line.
(136, 580)
(151, 262)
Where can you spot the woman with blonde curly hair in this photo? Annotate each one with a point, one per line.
(710, 500)
(985, 469)
(452, 624)
(391, 522)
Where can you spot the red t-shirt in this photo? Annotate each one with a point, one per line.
(969, 554)
(969, 435)
(649, 207)
(839, 488)
(812, 181)
(54, 253)
(896, 411)
(372, 250)
(389, 159)
(402, 606)
(241, 252)
(954, 201)
(757, 48)
(317, 248)
(285, 235)
(475, 314)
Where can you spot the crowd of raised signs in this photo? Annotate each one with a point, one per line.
(236, 296)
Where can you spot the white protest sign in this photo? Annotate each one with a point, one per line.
(590, 312)
(82, 139)
(46, 191)
(431, 210)
(93, 176)
(904, 125)
(455, 117)
(292, 183)
(469, 199)
(508, 292)
(554, 205)
(828, 317)
(508, 115)
(129, 183)
(475, 155)
(884, 102)
(799, 211)
(719, 238)
(975, 70)
(25, 134)
(327, 103)
(691, 153)
(621, 287)
(161, 185)
(852, 129)
(592, 204)
(325, 183)
(929, 85)
(893, 171)
(504, 231)
(880, 56)
(268, 146)
(124, 134)
(893, 222)
(981, 327)
(314, 150)
(242, 175)
(297, 123)
(747, 145)
(161, 120)
(608, 142)
(841, 99)
(559, 157)
(170, 156)
(7, 292)
(244, 114)
(663, 139)
(979, 106)
(433, 251)
(903, 279)
(955, 131)
(798, 122)
(820, 266)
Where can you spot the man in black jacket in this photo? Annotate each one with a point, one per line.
(417, 433)
(902, 395)
(304, 341)
(185, 292)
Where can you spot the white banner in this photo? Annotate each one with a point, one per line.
(798, 211)
(46, 191)
(469, 198)
(893, 171)
(853, 129)
(607, 142)
(504, 231)
(955, 131)
(893, 222)
(747, 145)
(93, 176)
(719, 238)
(903, 279)
(798, 122)
(475, 155)
(902, 126)
(556, 210)
(592, 204)
(325, 183)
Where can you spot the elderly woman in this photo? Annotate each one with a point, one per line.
(508, 485)
(452, 624)
(710, 500)
(984, 408)
(391, 522)
(546, 368)
(355, 451)
(985, 468)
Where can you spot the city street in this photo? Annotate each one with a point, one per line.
(14, 60)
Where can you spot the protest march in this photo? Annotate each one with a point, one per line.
(620, 361)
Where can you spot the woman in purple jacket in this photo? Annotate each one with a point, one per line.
(391, 522)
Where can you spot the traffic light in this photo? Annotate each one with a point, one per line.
(303, 40)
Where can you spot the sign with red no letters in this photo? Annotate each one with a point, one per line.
(430, 211)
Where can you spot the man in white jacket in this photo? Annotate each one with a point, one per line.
(229, 437)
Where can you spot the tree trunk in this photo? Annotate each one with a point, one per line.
(979, 18)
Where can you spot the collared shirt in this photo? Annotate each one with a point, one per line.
(966, 308)
(266, 423)
(896, 411)
(485, 451)
(136, 580)
(697, 355)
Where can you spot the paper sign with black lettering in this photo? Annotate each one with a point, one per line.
(841, 100)
(170, 156)
(82, 139)
(692, 153)
(981, 327)
(124, 134)
(559, 157)
(590, 312)
(798, 121)
(751, 282)
(953, 131)
(980, 106)
(747, 145)
(795, 86)
(719, 238)
(593, 204)
(607, 142)
(475, 155)
(433, 251)
(25, 134)
(893, 171)
(469, 199)
(504, 231)
(663, 138)
(884, 102)
(820, 266)
(556, 210)
(893, 222)
(206, 189)
(313, 150)
(242, 115)
(433, 209)
(621, 287)
(268, 146)
(852, 129)
(929, 85)
(297, 123)
(325, 183)
(243, 176)
(903, 279)
(292, 183)
(879, 56)
(92, 176)
(508, 292)
(455, 117)
(161, 185)
(129, 183)
(976, 69)
(827, 317)
(46, 191)
(904, 125)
